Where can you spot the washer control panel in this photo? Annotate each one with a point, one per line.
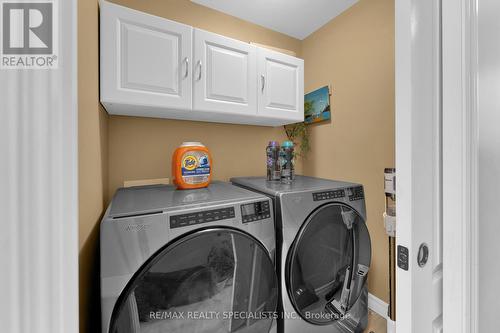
(328, 195)
(355, 193)
(183, 220)
(255, 211)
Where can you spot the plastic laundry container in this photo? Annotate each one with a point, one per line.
(191, 166)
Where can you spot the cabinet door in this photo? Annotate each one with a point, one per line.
(224, 74)
(281, 86)
(145, 60)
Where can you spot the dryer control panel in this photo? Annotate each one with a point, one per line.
(206, 216)
(255, 211)
(355, 193)
(328, 195)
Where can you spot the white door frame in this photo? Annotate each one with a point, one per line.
(460, 166)
(459, 153)
(419, 165)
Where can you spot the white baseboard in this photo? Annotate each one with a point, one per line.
(391, 326)
(378, 306)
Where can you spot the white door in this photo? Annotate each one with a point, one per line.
(145, 60)
(281, 86)
(419, 275)
(224, 74)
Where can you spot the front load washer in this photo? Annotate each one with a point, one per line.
(188, 261)
(323, 253)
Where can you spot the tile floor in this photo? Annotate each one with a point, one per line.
(376, 323)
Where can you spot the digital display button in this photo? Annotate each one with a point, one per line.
(255, 211)
(182, 220)
(248, 210)
(328, 195)
(356, 193)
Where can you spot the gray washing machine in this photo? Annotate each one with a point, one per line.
(188, 261)
(323, 253)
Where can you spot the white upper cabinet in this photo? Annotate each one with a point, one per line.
(225, 74)
(281, 90)
(145, 60)
(154, 67)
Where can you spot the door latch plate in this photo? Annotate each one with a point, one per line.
(403, 257)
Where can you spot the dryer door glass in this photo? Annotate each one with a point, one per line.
(215, 280)
(323, 271)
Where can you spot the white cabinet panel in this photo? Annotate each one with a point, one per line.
(149, 71)
(145, 60)
(281, 91)
(154, 67)
(224, 74)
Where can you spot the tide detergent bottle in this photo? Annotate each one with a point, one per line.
(191, 166)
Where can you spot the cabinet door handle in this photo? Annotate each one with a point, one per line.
(199, 64)
(263, 82)
(186, 62)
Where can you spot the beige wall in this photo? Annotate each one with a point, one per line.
(92, 128)
(141, 148)
(354, 54)
(187, 12)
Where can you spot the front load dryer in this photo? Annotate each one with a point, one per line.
(188, 261)
(323, 253)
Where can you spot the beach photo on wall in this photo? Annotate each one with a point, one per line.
(317, 105)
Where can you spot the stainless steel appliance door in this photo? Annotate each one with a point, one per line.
(212, 280)
(328, 263)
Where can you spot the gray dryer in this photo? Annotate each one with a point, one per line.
(188, 261)
(323, 253)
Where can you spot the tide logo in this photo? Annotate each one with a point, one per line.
(190, 162)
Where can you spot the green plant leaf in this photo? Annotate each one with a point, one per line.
(298, 134)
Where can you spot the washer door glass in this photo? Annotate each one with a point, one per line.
(215, 280)
(320, 279)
